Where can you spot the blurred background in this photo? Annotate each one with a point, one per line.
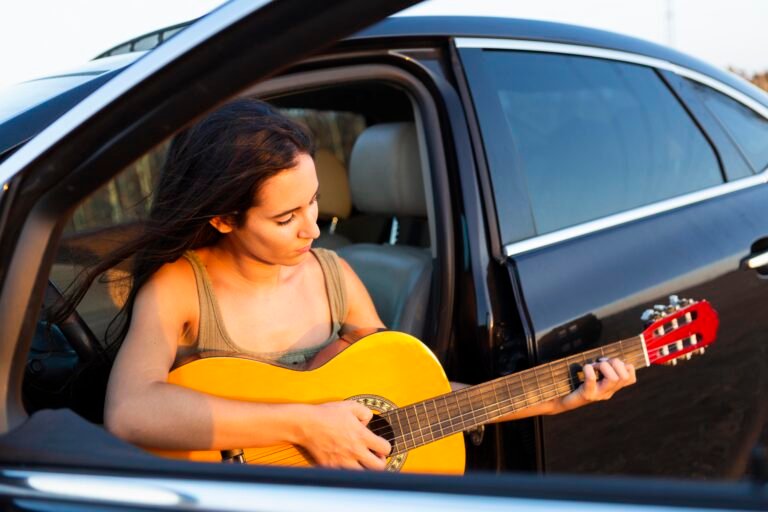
(42, 37)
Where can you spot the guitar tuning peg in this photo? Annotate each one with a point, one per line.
(647, 315)
(673, 362)
(702, 350)
(659, 307)
(688, 356)
(674, 300)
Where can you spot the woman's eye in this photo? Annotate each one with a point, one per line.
(288, 221)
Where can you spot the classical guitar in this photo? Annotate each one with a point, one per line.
(399, 378)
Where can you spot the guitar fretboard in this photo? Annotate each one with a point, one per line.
(427, 421)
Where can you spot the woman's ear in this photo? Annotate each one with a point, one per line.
(221, 224)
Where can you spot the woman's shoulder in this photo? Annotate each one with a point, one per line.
(330, 256)
(174, 285)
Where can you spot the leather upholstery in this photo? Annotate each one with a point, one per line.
(385, 171)
(398, 278)
(385, 176)
(335, 198)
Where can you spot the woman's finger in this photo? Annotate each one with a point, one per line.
(610, 378)
(363, 413)
(370, 460)
(631, 371)
(377, 444)
(620, 368)
(589, 389)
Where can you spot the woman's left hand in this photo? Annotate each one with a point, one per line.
(615, 375)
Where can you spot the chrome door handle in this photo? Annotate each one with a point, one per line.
(757, 260)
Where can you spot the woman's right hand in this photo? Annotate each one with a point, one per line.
(336, 436)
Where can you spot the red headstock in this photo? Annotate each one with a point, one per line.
(681, 329)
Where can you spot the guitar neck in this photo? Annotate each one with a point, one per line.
(427, 421)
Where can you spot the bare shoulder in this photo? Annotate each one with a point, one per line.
(171, 291)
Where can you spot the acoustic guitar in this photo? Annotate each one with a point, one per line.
(398, 377)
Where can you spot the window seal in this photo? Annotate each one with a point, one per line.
(523, 246)
(631, 58)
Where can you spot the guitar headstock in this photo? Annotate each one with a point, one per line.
(681, 329)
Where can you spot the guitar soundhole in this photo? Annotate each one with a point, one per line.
(382, 428)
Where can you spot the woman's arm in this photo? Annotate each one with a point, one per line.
(142, 408)
(616, 375)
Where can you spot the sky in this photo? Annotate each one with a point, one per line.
(43, 37)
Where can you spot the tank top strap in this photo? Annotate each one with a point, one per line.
(335, 285)
(209, 335)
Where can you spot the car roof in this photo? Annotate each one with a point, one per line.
(551, 32)
(397, 27)
(410, 27)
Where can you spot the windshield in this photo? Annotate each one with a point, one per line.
(20, 97)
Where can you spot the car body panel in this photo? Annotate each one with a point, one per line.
(592, 286)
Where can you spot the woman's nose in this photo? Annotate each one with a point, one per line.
(310, 229)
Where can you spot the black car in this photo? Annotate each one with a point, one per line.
(510, 191)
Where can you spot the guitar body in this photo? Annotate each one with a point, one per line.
(382, 370)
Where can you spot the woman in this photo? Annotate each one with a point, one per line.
(225, 263)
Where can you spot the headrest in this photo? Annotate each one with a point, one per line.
(335, 199)
(385, 171)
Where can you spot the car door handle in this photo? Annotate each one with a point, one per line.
(757, 260)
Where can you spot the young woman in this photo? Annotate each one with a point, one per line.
(225, 262)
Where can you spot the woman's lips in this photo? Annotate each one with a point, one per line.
(305, 249)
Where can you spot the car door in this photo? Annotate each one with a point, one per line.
(616, 187)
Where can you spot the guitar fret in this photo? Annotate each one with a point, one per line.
(555, 385)
(448, 429)
(538, 386)
(438, 416)
(430, 424)
(410, 427)
(418, 424)
(400, 433)
(459, 411)
(525, 393)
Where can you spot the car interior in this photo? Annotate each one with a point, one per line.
(371, 163)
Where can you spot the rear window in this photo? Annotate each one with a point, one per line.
(584, 137)
(747, 128)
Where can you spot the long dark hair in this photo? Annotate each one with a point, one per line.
(215, 167)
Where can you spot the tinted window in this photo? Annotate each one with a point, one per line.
(591, 137)
(146, 43)
(748, 129)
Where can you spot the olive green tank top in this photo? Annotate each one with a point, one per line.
(212, 336)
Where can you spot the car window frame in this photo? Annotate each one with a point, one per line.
(153, 98)
(469, 48)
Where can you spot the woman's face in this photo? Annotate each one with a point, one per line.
(281, 227)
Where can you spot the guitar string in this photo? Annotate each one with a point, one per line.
(517, 402)
(301, 459)
(467, 399)
(518, 399)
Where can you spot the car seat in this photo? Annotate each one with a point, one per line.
(386, 178)
(335, 202)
